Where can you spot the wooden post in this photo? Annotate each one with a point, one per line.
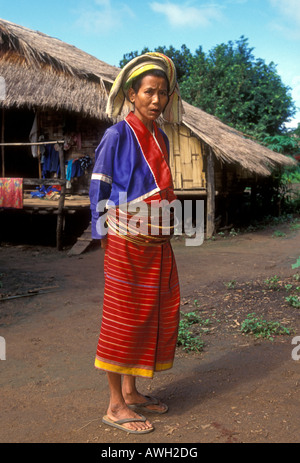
(2, 147)
(60, 212)
(210, 212)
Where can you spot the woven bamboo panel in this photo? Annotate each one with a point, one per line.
(186, 158)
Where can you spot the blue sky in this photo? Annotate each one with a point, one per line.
(108, 29)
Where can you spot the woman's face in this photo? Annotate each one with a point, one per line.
(150, 100)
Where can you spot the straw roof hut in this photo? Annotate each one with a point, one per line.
(230, 145)
(44, 73)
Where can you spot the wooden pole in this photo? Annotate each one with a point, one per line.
(38, 147)
(60, 212)
(33, 144)
(210, 213)
(2, 147)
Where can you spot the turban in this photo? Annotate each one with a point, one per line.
(137, 66)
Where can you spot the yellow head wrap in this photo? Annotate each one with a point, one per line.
(174, 109)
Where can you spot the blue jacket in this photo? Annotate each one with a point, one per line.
(122, 169)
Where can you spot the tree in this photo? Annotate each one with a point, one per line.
(230, 83)
(242, 91)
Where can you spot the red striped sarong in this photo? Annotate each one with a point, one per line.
(141, 308)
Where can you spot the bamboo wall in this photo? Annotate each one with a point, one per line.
(186, 158)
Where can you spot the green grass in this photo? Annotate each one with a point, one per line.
(294, 301)
(272, 283)
(261, 328)
(188, 338)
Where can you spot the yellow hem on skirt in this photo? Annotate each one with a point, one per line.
(131, 370)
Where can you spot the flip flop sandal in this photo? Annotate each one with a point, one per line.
(120, 424)
(150, 401)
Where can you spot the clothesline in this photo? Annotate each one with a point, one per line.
(59, 142)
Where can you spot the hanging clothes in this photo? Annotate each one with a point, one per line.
(50, 161)
(11, 193)
(33, 137)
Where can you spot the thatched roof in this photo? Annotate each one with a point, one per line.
(44, 72)
(230, 145)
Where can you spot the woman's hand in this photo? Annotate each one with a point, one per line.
(104, 243)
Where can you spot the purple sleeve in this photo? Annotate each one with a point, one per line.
(101, 181)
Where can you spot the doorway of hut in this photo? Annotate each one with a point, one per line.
(18, 160)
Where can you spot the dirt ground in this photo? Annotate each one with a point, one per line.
(238, 389)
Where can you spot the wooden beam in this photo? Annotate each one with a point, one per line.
(43, 181)
(210, 212)
(40, 143)
(2, 146)
(60, 212)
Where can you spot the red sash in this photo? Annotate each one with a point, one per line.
(154, 151)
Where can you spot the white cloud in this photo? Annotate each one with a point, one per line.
(289, 8)
(101, 17)
(288, 20)
(188, 16)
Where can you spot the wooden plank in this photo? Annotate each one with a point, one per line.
(210, 213)
(197, 171)
(82, 242)
(2, 146)
(43, 181)
(40, 143)
(178, 174)
(60, 211)
(176, 141)
(187, 172)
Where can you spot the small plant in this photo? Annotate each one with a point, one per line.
(294, 301)
(278, 234)
(233, 232)
(261, 328)
(186, 338)
(297, 264)
(230, 284)
(295, 226)
(272, 282)
(296, 276)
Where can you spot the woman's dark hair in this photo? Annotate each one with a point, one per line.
(137, 82)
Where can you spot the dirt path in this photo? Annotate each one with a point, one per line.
(238, 389)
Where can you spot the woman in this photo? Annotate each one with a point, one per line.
(141, 296)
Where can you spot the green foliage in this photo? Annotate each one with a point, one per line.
(273, 282)
(294, 301)
(189, 340)
(296, 264)
(230, 83)
(242, 91)
(279, 234)
(230, 284)
(285, 144)
(261, 328)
